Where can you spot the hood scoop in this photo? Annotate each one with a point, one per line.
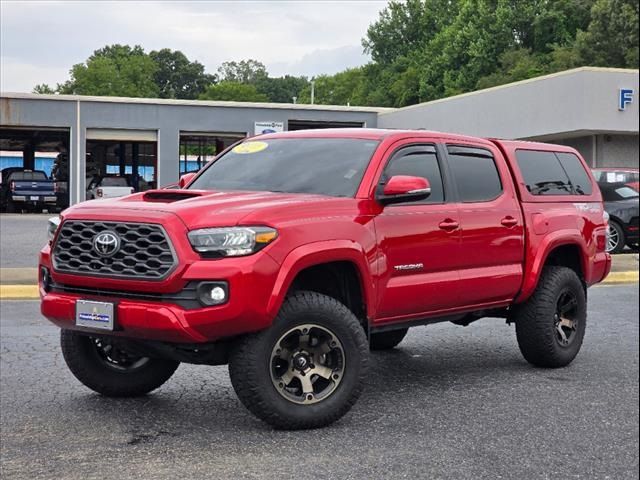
(169, 196)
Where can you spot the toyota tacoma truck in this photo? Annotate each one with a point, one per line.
(291, 255)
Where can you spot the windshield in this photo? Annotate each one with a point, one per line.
(325, 166)
(619, 192)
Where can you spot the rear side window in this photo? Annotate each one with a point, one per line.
(419, 161)
(575, 171)
(475, 174)
(549, 173)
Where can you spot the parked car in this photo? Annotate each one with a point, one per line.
(26, 190)
(622, 204)
(108, 187)
(290, 256)
(629, 176)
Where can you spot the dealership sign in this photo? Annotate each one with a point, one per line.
(625, 98)
(268, 127)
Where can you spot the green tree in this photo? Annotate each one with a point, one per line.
(233, 92)
(177, 77)
(343, 88)
(611, 40)
(43, 88)
(281, 89)
(115, 70)
(244, 71)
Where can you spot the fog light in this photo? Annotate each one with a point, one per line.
(213, 293)
(218, 294)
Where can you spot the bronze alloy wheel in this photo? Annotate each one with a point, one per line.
(566, 318)
(307, 364)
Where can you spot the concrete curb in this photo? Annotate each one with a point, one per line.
(31, 292)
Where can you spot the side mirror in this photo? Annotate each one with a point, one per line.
(186, 179)
(404, 188)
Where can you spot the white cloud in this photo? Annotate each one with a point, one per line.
(40, 41)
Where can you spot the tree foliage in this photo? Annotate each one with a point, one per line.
(420, 50)
(177, 76)
(233, 91)
(114, 70)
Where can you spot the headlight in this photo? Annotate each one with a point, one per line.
(52, 226)
(231, 241)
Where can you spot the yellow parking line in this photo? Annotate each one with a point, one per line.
(19, 292)
(30, 292)
(621, 277)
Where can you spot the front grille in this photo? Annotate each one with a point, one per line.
(145, 251)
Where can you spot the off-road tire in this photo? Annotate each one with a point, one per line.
(249, 366)
(82, 359)
(387, 340)
(534, 319)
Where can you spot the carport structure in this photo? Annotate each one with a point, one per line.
(148, 141)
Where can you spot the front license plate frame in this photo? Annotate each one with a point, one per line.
(95, 315)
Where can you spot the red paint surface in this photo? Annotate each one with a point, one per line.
(472, 255)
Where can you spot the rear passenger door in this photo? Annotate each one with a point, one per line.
(492, 229)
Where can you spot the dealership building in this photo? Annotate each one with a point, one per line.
(153, 141)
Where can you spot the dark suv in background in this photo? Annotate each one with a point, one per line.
(621, 203)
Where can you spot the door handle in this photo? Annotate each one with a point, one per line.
(448, 225)
(509, 221)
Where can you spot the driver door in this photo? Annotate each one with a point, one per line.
(419, 241)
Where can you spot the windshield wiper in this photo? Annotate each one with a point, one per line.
(542, 187)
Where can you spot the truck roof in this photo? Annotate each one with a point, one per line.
(368, 134)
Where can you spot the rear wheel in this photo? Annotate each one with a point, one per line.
(616, 238)
(387, 340)
(305, 371)
(108, 369)
(550, 326)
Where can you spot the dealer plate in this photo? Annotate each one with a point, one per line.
(34, 197)
(94, 314)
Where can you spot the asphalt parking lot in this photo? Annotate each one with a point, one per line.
(451, 402)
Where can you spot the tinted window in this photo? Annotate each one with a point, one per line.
(542, 173)
(17, 176)
(418, 162)
(327, 166)
(573, 167)
(617, 192)
(475, 174)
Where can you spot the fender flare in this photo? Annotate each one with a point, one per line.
(317, 253)
(533, 272)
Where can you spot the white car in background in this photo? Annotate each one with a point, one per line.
(108, 187)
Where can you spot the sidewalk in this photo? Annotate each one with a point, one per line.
(21, 283)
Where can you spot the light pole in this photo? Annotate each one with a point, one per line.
(313, 91)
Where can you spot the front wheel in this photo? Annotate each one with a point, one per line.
(615, 238)
(550, 325)
(305, 371)
(106, 368)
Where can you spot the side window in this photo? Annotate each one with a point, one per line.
(573, 167)
(475, 173)
(549, 173)
(419, 161)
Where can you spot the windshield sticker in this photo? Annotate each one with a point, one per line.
(250, 147)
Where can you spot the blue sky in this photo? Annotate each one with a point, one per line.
(40, 41)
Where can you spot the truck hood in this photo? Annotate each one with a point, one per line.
(200, 209)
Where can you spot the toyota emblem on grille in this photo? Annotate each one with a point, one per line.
(106, 244)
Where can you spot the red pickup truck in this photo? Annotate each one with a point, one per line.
(290, 255)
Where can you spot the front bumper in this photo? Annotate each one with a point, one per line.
(163, 315)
